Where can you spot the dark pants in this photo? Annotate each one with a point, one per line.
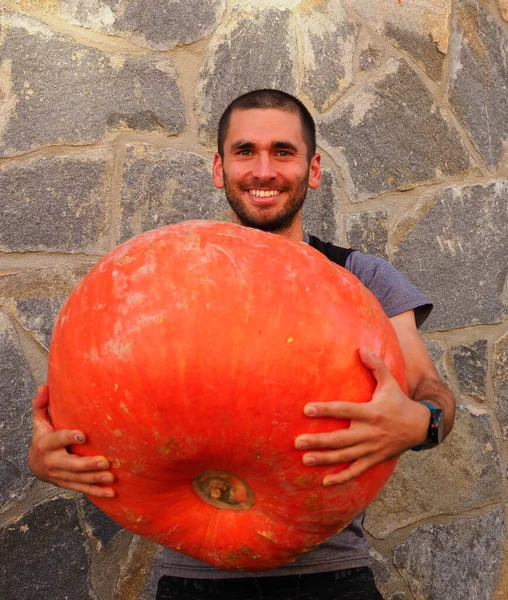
(350, 584)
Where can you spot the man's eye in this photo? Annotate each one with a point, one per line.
(244, 152)
(284, 153)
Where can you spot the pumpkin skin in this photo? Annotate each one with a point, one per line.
(187, 355)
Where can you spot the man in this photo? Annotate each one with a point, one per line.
(266, 161)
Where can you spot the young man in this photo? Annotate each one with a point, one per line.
(266, 162)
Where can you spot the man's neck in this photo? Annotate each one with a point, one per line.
(294, 231)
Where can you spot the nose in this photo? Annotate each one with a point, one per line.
(263, 167)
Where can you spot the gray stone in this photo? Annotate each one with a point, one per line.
(456, 255)
(163, 186)
(371, 56)
(459, 560)
(158, 24)
(45, 555)
(16, 391)
(56, 91)
(368, 232)
(419, 28)
(328, 49)
(36, 296)
(500, 377)
(142, 569)
(437, 353)
(391, 135)
(322, 211)
(468, 461)
(152, 577)
(478, 90)
(254, 50)
(100, 527)
(56, 203)
(470, 363)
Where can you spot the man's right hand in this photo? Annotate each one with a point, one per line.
(50, 461)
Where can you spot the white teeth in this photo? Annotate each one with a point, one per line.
(264, 193)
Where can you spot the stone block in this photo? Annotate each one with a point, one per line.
(500, 377)
(58, 92)
(391, 135)
(57, 203)
(470, 362)
(437, 353)
(163, 186)
(467, 462)
(45, 555)
(100, 527)
(328, 48)
(419, 28)
(458, 560)
(456, 255)
(157, 24)
(385, 576)
(36, 296)
(368, 232)
(255, 49)
(322, 211)
(503, 7)
(16, 392)
(477, 88)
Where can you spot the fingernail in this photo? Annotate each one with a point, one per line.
(80, 438)
(310, 410)
(102, 465)
(109, 494)
(302, 444)
(309, 460)
(107, 479)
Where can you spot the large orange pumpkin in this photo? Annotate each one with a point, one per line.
(187, 355)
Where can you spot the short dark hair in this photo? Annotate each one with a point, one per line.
(268, 98)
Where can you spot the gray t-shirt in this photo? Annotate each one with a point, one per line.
(349, 548)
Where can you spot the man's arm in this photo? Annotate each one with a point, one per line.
(388, 425)
(49, 460)
(422, 379)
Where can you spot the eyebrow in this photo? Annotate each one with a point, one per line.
(241, 145)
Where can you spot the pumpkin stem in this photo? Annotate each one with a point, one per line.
(223, 490)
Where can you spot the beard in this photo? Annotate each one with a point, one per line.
(270, 219)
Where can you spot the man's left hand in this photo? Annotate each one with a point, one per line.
(383, 428)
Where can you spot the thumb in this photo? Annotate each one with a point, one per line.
(375, 365)
(41, 420)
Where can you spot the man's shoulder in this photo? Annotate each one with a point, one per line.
(336, 254)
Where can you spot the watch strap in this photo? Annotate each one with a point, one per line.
(434, 432)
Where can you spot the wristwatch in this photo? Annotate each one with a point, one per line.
(435, 433)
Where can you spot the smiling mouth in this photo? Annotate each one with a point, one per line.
(264, 193)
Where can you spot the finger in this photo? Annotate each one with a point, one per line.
(89, 489)
(354, 470)
(61, 439)
(332, 457)
(77, 464)
(334, 439)
(97, 477)
(337, 410)
(41, 399)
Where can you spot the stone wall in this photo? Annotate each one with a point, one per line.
(107, 119)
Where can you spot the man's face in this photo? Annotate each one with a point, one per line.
(266, 171)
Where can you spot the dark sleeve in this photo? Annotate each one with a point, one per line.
(393, 290)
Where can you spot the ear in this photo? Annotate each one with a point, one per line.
(217, 172)
(315, 172)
